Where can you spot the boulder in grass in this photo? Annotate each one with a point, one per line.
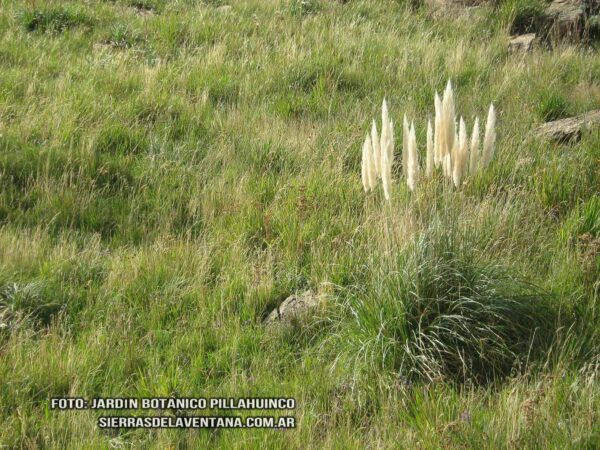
(452, 8)
(570, 129)
(522, 44)
(453, 3)
(295, 308)
(568, 20)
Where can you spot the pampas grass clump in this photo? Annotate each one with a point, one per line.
(448, 146)
(459, 319)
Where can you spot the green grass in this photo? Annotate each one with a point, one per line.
(53, 19)
(524, 16)
(171, 171)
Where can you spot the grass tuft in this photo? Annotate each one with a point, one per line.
(55, 19)
(552, 105)
(304, 8)
(523, 16)
(439, 314)
(26, 302)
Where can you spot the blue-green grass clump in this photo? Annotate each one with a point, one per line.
(441, 315)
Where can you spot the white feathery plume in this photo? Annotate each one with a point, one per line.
(489, 139)
(371, 171)
(376, 149)
(448, 118)
(460, 156)
(430, 149)
(386, 149)
(386, 174)
(447, 165)
(463, 137)
(455, 147)
(451, 157)
(474, 159)
(384, 133)
(413, 160)
(364, 169)
(385, 119)
(405, 144)
(437, 133)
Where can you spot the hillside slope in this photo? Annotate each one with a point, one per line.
(171, 171)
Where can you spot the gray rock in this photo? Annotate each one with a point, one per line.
(453, 8)
(295, 307)
(594, 24)
(569, 130)
(567, 19)
(521, 44)
(453, 3)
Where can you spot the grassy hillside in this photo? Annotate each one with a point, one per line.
(170, 171)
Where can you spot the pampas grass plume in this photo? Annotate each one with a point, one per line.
(387, 151)
(437, 143)
(430, 150)
(448, 118)
(371, 170)
(405, 144)
(413, 160)
(385, 120)
(489, 140)
(460, 155)
(474, 159)
(376, 149)
(447, 165)
(386, 175)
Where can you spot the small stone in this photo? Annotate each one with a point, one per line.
(521, 44)
(101, 46)
(465, 416)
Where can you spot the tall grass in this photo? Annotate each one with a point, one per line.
(438, 313)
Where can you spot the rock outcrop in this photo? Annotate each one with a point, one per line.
(569, 130)
(567, 19)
